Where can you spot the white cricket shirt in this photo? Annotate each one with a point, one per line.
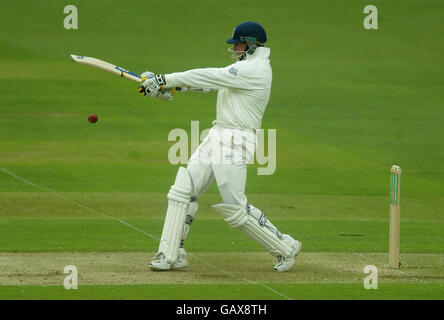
(244, 88)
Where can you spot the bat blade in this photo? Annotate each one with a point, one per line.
(106, 66)
(121, 72)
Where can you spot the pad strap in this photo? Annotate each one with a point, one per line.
(192, 209)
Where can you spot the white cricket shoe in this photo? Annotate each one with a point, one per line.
(181, 261)
(283, 263)
(160, 263)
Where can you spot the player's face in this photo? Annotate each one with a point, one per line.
(239, 48)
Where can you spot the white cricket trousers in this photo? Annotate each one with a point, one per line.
(223, 155)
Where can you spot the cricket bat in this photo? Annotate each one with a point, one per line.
(100, 64)
(121, 72)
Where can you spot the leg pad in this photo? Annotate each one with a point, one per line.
(257, 226)
(178, 203)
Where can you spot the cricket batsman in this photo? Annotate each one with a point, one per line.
(243, 93)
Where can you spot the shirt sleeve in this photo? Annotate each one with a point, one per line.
(231, 77)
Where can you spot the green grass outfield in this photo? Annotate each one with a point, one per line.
(239, 291)
(347, 104)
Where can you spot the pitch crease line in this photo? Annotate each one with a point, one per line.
(136, 229)
(370, 259)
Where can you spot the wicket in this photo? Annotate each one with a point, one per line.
(395, 216)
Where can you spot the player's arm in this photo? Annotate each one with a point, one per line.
(232, 77)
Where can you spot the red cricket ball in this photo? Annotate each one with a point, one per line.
(93, 118)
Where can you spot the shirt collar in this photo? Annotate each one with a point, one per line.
(260, 52)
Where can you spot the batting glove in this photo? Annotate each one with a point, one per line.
(166, 94)
(163, 93)
(147, 75)
(152, 85)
